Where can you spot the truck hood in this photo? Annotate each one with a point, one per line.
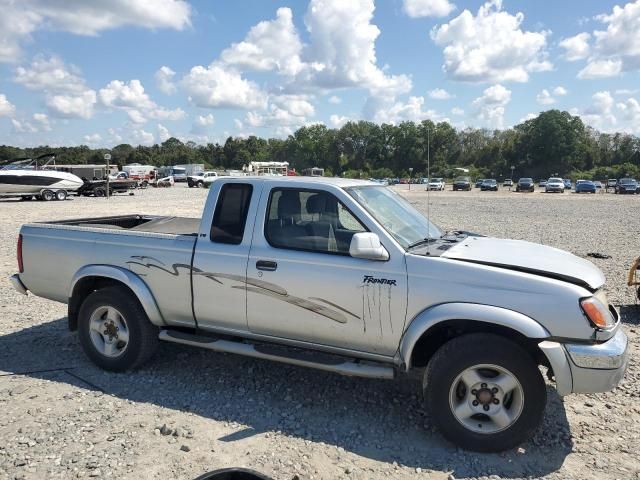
(528, 257)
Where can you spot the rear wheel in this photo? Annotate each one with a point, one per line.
(47, 195)
(99, 192)
(200, 184)
(114, 330)
(485, 392)
(61, 195)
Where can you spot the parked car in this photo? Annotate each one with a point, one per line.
(479, 182)
(611, 183)
(202, 179)
(507, 183)
(436, 184)
(525, 184)
(554, 184)
(585, 186)
(489, 184)
(598, 184)
(627, 185)
(567, 184)
(279, 268)
(542, 183)
(462, 183)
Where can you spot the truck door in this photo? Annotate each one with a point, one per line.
(220, 261)
(303, 285)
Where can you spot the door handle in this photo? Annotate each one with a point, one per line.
(267, 265)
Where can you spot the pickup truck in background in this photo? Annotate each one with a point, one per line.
(344, 276)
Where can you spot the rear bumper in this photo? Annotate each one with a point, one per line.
(600, 367)
(17, 284)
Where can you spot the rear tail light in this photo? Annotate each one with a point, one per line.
(19, 254)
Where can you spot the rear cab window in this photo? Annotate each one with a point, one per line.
(230, 216)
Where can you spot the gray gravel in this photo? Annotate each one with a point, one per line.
(192, 411)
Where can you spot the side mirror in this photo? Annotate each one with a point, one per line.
(367, 245)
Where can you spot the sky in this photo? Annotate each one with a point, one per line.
(106, 72)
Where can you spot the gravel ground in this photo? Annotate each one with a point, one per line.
(192, 411)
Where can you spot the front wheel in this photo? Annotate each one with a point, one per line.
(114, 330)
(485, 392)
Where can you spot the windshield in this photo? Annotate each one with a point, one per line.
(555, 180)
(624, 181)
(462, 179)
(397, 216)
(525, 180)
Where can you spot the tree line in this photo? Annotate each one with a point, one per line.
(553, 143)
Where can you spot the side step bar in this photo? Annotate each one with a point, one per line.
(278, 354)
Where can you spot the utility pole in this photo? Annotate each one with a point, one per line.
(107, 157)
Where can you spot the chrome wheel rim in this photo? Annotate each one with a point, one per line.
(486, 398)
(109, 331)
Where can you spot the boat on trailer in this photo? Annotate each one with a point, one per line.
(37, 178)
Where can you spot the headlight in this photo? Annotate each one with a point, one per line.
(597, 312)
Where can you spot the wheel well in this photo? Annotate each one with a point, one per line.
(441, 333)
(83, 289)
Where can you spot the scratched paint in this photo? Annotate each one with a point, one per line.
(260, 287)
(376, 307)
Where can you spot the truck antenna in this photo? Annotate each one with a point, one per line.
(428, 189)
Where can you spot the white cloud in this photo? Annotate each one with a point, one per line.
(626, 91)
(163, 133)
(546, 97)
(71, 105)
(630, 112)
(131, 98)
(7, 109)
(342, 50)
(204, 120)
(600, 114)
(601, 69)
(66, 94)
(616, 49)
(491, 47)
(457, 111)
(490, 107)
(528, 116)
(428, 8)
(269, 45)
(338, 121)
(50, 75)
(560, 91)
(217, 86)
(93, 138)
(290, 111)
(440, 94)
(20, 19)
(576, 47)
(164, 80)
(335, 100)
(411, 110)
(22, 127)
(43, 121)
(141, 137)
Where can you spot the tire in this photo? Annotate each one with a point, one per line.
(61, 195)
(488, 353)
(98, 310)
(99, 192)
(47, 195)
(200, 184)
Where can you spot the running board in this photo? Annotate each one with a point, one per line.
(329, 363)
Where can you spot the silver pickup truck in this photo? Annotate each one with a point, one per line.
(345, 276)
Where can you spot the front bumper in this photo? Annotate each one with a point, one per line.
(598, 367)
(17, 284)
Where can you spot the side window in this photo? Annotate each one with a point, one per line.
(230, 216)
(310, 220)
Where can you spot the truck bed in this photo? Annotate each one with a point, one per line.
(139, 223)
